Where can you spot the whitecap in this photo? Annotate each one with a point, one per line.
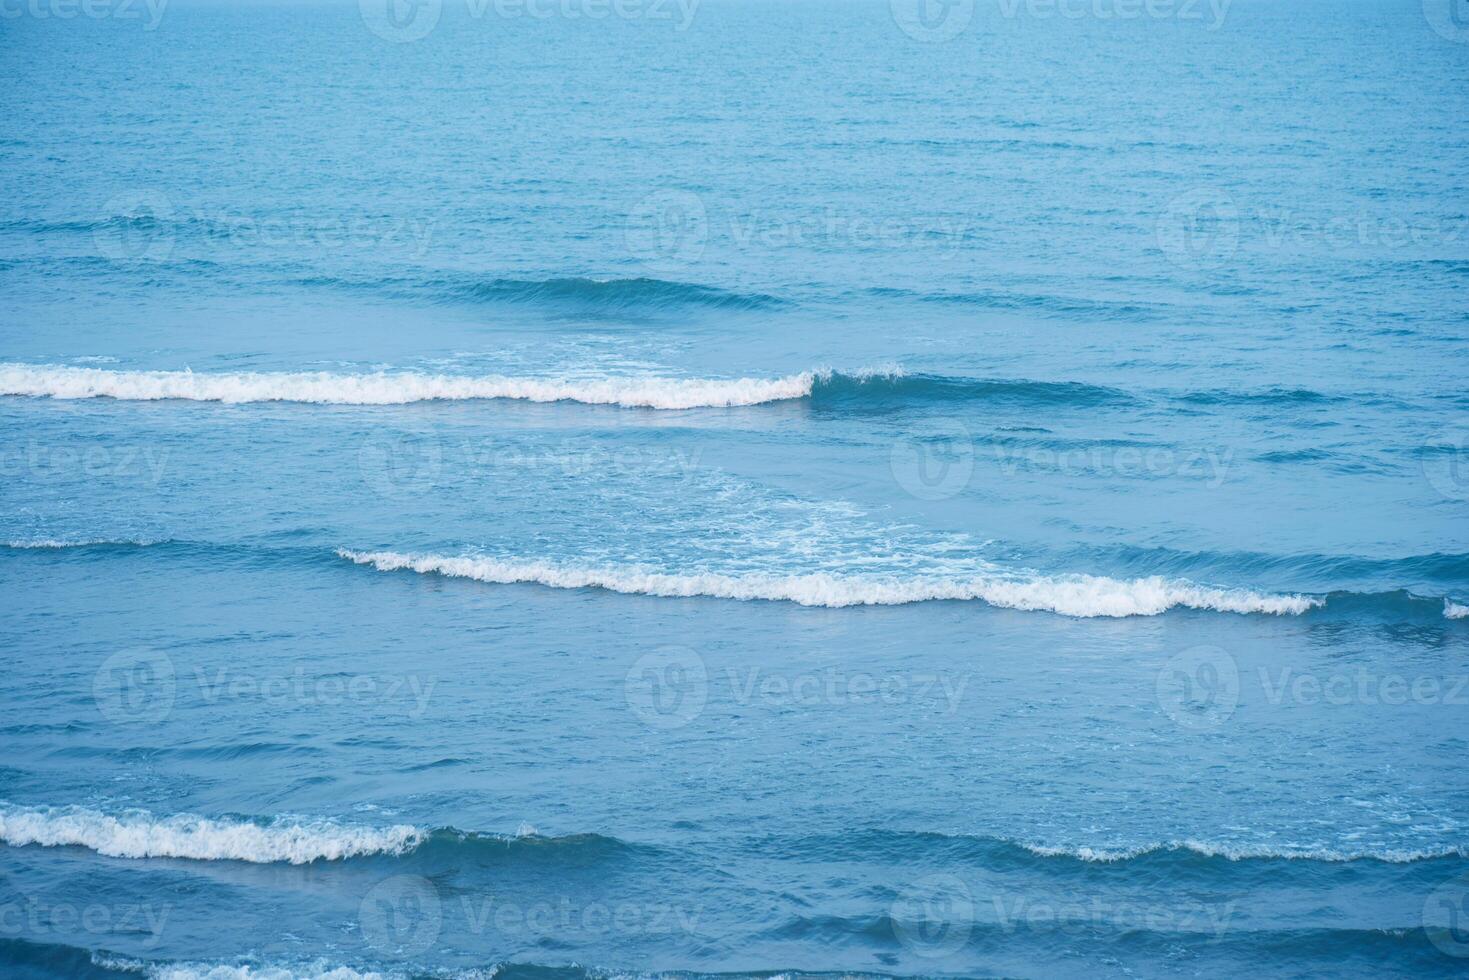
(139, 834)
(316, 970)
(57, 544)
(1245, 852)
(396, 388)
(1070, 595)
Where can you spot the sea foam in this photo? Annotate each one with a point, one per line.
(1452, 610)
(316, 970)
(396, 388)
(57, 544)
(1246, 852)
(1070, 595)
(139, 834)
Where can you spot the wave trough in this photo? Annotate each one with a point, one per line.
(1082, 596)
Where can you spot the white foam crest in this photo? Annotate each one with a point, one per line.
(1072, 595)
(205, 971)
(138, 834)
(397, 388)
(49, 544)
(1452, 610)
(316, 970)
(1245, 852)
(879, 372)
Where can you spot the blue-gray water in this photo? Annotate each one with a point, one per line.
(734, 488)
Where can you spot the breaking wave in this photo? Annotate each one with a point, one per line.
(868, 387)
(139, 834)
(864, 389)
(1247, 852)
(56, 544)
(313, 970)
(55, 381)
(610, 294)
(279, 840)
(582, 295)
(1070, 595)
(1001, 852)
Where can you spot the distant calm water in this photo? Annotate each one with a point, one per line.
(597, 489)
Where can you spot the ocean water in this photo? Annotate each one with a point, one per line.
(734, 488)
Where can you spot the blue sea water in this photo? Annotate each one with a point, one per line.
(744, 488)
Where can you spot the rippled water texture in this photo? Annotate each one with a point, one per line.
(608, 489)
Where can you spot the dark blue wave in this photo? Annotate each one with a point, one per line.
(1046, 303)
(24, 960)
(572, 294)
(1273, 396)
(452, 845)
(612, 294)
(1296, 952)
(880, 391)
(930, 848)
(1289, 570)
